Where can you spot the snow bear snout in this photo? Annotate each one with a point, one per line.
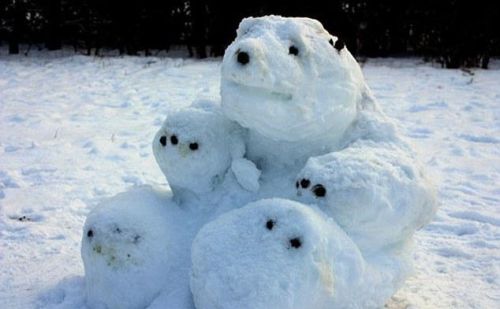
(247, 64)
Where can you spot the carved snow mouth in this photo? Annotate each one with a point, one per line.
(262, 92)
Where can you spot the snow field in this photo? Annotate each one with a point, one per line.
(74, 130)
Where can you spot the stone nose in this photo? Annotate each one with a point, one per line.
(242, 57)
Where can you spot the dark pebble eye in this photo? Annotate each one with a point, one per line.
(295, 243)
(304, 183)
(270, 224)
(242, 57)
(163, 141)
(193, 146)
(339, 44)
(174, 140)
(319, 190)
(331, 42)
(90, 234)
(293, 50)
(297, 184)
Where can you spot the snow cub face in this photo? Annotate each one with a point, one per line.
(192, 149)
(125, 249)
(269, 254)
(289, 79)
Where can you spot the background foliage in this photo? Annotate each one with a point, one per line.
(454, 33)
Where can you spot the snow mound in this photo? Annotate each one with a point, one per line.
(378, 195)
(276, 253)
(132, 247)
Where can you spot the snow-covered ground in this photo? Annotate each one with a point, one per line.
(75, 129)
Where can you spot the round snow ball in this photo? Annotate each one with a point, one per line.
(292, 260)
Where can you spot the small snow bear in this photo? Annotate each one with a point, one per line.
(378, 195)
(196, 147)
(276, 253)
(131, 249)
(293, 85)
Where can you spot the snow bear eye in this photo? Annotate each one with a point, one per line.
(319, 190)
(295, 242)
(293, 50)
(193, 146)
(339, 44)
(90, 233)
(304, 183)
(174, 140)
(270, 224)
(163, 141)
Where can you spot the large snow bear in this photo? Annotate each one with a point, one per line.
(313, 124)
(310, 116)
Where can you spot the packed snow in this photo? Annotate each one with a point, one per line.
(294, 86)
(301, 96)
(276, 253)
(130, 261)
(343, 185)
(75, 130)
(194, 148)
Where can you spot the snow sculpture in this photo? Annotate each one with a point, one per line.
(132, 249)
(276, 253)
(294, 106)
(196, 147)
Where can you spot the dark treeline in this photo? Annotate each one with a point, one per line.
(454, 33)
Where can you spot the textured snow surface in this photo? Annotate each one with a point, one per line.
(193, 149)
(74, 130)
(295, 85)
(298, 257)
(381, 176)
(129, 261)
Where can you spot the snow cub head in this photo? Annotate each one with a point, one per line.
(126, 248)
(364, 189)
(290, 80)
(193, 149)
(273, 253)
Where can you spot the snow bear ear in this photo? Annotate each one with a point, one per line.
(245, 26)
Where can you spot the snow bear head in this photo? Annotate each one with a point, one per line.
(273, 253)
(290, 80)
(193, 149)
(368, 191)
